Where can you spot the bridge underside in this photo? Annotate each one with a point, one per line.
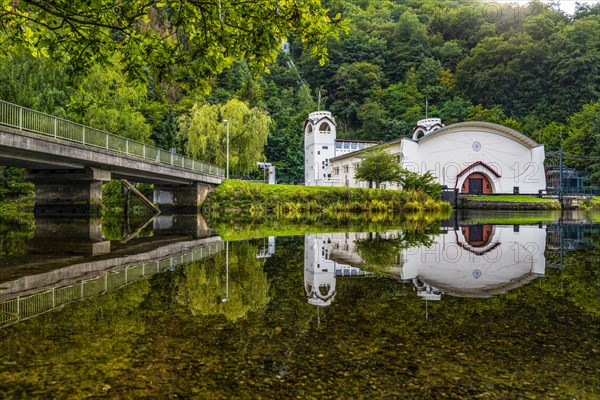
(79, 192)
(68, 176)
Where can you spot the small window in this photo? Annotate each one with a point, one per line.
(346, 145)
(353, 145)
(319, 152)
(361, 145)
(338, 145)
(325, 147)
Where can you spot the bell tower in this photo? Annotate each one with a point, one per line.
(319, 146)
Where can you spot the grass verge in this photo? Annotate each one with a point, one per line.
(259, 198)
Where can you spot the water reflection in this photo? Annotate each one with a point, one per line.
(472, 261)
(476, 261)
(68, 260)
(172, 335)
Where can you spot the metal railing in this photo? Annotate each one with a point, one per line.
(25, 307)
(33, 121)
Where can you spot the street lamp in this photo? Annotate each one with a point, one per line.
(226, 121)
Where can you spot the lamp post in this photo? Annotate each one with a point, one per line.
(226, 121)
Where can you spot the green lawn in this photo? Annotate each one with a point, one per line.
(511, 198)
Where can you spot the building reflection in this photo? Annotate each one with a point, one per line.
(476, 260)
(322, 255)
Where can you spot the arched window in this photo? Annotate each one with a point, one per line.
(325, 128)
(419, 133)
(309, 129)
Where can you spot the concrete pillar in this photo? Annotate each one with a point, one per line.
(183, 198)
(68, 192)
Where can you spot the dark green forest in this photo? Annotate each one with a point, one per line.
(531, 67)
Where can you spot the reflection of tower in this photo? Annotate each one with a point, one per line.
(319, 270)
(268, 248)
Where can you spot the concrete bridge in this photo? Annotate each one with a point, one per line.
(69, 162)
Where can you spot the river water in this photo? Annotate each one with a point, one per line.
(469, 306)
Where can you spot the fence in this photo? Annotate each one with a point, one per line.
(36, 122)
(21, 308)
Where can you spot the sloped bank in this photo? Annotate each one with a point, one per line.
(507, 202)
(235, 196)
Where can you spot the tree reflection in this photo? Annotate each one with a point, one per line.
(202, 286)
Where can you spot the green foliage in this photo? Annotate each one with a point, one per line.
(257, 198)
(187, 40)
(106, 100)
(378, 166)
(426, 182)
(205, 134)
(208, 288)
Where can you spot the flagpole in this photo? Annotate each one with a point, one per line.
(426, 106)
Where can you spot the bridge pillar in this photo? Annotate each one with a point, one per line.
(68, 192)
(181, 197)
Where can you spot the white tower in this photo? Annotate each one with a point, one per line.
(319, 147)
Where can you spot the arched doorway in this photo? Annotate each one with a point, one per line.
(477, 183)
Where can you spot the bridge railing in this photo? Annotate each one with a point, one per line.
(37, 122)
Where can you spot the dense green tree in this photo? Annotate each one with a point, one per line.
(104, 99)
(190, 39)
(581, 142)
(354, 83)
(378, 166)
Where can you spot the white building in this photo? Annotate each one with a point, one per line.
(321, 145)
(473, 157)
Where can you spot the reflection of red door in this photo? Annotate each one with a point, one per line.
(477, 183)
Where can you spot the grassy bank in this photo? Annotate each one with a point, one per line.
(509, 202)
(591, 204)
(256, 198)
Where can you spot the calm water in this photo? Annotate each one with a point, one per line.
(474, 306)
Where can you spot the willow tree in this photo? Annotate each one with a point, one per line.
(192, 39)
(205, 134)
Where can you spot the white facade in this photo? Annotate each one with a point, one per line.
(320, 146)
(473, 157)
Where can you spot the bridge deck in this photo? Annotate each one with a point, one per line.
(33, 140)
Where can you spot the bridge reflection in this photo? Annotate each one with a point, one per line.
(70, 260)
